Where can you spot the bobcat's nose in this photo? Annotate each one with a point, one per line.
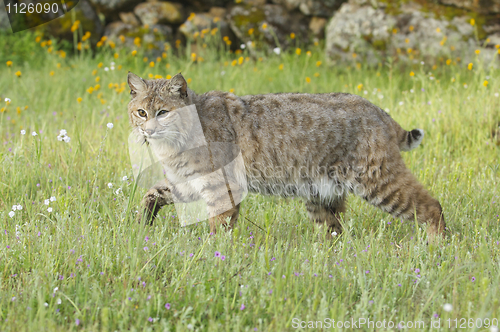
(149, 131)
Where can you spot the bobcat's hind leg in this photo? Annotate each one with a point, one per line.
(226, 219)
(327, 214)
(398, 192)
(156, 197)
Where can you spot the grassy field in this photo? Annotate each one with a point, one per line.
(73, 257)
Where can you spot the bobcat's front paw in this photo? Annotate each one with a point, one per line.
(152, 202)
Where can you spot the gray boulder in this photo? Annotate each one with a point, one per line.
(159, 12)
(481, 6)
(271, 25)
(323, 8)
(360, 32)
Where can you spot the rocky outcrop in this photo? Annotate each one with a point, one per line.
(479, 6)
(324, 8)
(152, 38)
(204, 23)
(113, 7)
(205, 5)
(360, 32)
(60, 27)
(159, 12)
(269, 25)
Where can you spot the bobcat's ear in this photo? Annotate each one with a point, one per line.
(177, 86)
(136, 83)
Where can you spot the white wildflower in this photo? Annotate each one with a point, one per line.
(106, 69)
(53, 199)
(56, 289)
(11, 214)
(243, 46)
(49, 209)
(46, 304)
(59, 301)
(401, 103)
(60, 138)
(496, 94)
(110, 185)
(277, 50)
(110, 125)
(447, 307)
(62, 132)
(19, 207)
(118, 191)
(23, 132)
(67, 139)
(34, 133)
(334, 233)
(46, 202)
(14, 207)
(7, 100)
(125, 178)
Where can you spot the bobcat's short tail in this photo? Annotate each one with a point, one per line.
(409, 140)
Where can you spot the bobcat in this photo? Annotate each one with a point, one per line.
(316, 146)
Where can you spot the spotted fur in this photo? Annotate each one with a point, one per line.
(317, 146)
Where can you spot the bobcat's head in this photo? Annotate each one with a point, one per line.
(156, 109)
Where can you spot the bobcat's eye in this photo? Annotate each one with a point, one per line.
(162, 112)
(142, 113)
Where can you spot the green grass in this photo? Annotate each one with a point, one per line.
(113, 274)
